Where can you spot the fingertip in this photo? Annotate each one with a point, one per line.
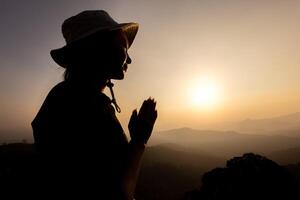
(155, 113)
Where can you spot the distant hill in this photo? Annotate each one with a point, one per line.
(286, 156)
(17, 160)
(168, 171)
(224, 143)
(281, 124)
(15, 136)
(287, 132)
(294, 169)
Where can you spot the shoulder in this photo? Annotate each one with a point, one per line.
(59, 89)
(56, 98)
(51, 104)
(62, 93)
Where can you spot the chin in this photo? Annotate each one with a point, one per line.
(119, 76)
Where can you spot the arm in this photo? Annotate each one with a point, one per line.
(132, 168)
(140, 127)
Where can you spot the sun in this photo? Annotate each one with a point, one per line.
(204, 93)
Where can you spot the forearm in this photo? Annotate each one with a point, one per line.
(132, 167)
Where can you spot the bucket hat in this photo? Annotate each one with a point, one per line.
(87, 23)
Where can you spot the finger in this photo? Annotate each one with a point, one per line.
(142, 109)
(147, 109)
(153, 116)
(150, 104)
(133, 118)
(147, 113)
(149, 117)
(151, 107)
(133, 115)
(153, 104)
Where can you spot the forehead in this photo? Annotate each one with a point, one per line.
(120, 38)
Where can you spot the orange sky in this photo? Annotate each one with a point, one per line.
(249, 48)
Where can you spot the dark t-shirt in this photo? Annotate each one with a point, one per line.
(77, 132)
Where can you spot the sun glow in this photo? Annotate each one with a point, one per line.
(204, 93)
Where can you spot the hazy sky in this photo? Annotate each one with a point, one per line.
(248, 50)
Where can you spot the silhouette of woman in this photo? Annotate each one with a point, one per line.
(76, 131)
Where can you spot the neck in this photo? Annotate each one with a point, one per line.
(98, 85)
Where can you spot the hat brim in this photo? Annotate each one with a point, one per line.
(130, 30)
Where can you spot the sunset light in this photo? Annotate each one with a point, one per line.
(164, 100)
(204, 93)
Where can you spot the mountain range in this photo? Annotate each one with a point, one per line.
(284, 125)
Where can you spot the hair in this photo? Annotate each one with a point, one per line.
(69, 71)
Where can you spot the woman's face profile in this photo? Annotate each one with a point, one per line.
(118, 59)
(100, 57)
(106, 59)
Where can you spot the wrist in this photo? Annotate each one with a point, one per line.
(138, 142)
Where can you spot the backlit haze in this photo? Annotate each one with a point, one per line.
(207, 63)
